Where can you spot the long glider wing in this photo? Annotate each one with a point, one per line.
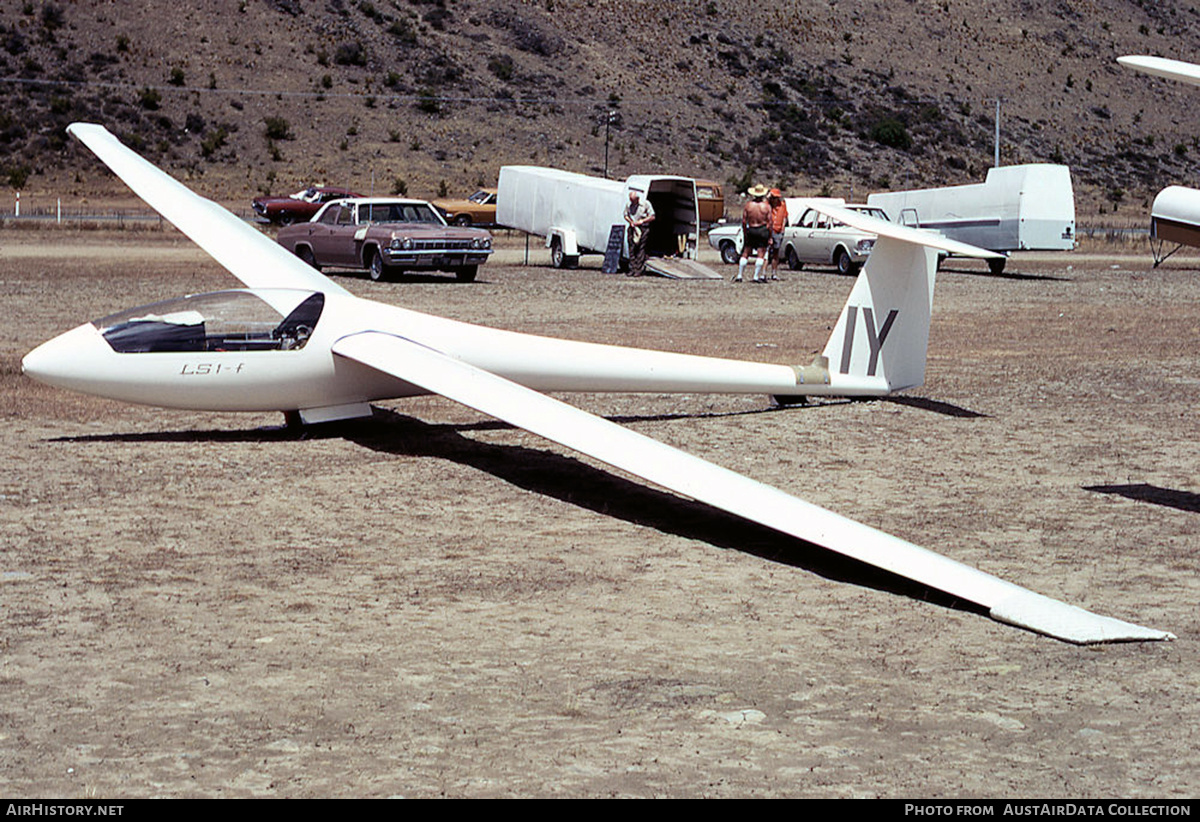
(1162, 67)
(671, 468)
(243, 250)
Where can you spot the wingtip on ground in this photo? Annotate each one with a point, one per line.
(1044, 615)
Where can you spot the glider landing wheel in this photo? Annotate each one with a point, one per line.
(793, 261)
(997, 266)
(729, 254)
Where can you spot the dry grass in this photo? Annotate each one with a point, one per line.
(432, 604)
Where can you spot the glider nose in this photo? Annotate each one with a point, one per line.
(64, 361)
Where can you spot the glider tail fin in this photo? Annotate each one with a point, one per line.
(879, 342)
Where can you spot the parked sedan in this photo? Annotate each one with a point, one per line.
(386, 236)
(478, 209)
(819, 239)
(297, 207)
(810, 237)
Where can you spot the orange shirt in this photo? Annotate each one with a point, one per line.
(779, 217)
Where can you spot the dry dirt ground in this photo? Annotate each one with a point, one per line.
(435, 604)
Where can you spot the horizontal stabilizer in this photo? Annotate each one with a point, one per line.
(883, 228)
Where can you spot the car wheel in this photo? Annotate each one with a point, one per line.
(378, 270)
(841, 259)
(466, 275)
(305, 254)
(793, 261)
(463, 220)
(997, 266)
(729, 254)
(286, 219)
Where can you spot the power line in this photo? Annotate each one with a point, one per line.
(359, 95)
(425, 97)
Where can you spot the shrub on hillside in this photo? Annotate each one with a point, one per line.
(278, 129)
(892, 133)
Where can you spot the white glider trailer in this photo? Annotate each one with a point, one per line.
(1017, 208)
(1174, 218)
(578, 214)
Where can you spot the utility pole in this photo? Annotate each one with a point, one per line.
(997, 162)
(608, 120)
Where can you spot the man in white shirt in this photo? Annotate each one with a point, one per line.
(638, 214)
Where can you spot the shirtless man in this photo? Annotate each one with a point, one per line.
(756, 233)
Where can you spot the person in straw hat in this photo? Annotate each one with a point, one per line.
(756, 233)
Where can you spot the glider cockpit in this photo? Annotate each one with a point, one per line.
(221, 321)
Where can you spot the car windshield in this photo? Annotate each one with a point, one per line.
(398, 213)
(479, 197)
(877, 213)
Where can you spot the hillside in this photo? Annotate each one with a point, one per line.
(420, 95)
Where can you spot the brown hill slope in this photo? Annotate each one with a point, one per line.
(417, 95)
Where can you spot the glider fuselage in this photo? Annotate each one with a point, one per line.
(212, 352)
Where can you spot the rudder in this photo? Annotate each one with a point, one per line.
(880, 340)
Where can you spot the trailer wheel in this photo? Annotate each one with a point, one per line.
(559, 258)
(997, 266)
(729, 254)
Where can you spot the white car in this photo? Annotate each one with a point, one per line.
(810, 237)
(820, 240)
(728, 240)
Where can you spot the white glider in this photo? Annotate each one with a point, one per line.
(295, 341)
